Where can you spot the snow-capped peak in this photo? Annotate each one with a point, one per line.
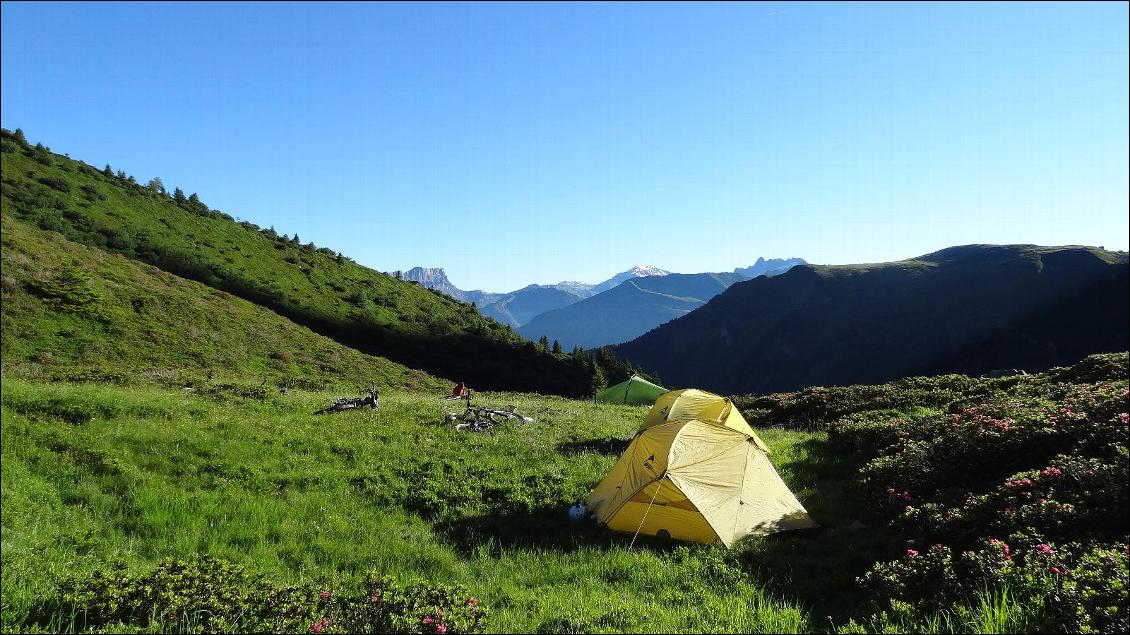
(641, 271)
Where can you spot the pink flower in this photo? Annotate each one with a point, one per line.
(441, 629)
(911, 553)
(325, 595)
(428, 620)
(890, 490)
(1124, 417)
(1055, 570)
(373, 599)
(316, 627)
(1044, 549)
(474, 601)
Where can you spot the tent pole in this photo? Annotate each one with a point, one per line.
(644, 517)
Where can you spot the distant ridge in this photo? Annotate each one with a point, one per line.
(967, 309)
(628, 309)
(517, 308)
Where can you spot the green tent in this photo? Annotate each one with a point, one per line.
(636, 391)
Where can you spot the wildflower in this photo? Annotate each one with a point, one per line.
(316, 627)
(911, 553)
(1124, 417)
(325, 595)
(890, 490)
(1044, 549)
(441, 629)
(1055, 570)
(474, 601)
(373, 599)
(428, 620)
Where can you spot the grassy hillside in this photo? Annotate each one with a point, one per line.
(315, 287)
(629, 309)
(967, 309)
(96, 473)
(71, 311)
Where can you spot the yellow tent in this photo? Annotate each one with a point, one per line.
(696, 471)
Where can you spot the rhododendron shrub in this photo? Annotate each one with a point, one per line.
(210, 595)
(1018, 482)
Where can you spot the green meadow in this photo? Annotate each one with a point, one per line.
(92, 473)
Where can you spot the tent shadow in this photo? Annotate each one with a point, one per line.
(607, 445)
(547, 528)
(818, 567)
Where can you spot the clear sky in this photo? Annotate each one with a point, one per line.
(520, 143)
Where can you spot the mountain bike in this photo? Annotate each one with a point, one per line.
(483, 419)
(351, 403)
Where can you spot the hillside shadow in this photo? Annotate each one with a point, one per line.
(607, 445)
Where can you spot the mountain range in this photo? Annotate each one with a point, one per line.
(601, 313)
(629, 309)
(103, 275)
(969, 309)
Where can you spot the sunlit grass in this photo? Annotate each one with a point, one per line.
(92, 472)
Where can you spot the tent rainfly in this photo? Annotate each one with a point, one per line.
(636, 391)
(696, 471)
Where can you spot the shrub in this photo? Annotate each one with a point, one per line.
(211, 595)
(1019, 486)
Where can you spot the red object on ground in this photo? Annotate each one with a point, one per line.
(458, 391)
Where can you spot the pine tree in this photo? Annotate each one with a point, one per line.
(556, 347)
(543, 343)
(178, 196)
(156, 185)
(19, 135)
(108, 171)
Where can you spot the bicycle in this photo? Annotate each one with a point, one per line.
(351, 403)
(483, 419)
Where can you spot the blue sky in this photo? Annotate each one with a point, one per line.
(520, 143)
